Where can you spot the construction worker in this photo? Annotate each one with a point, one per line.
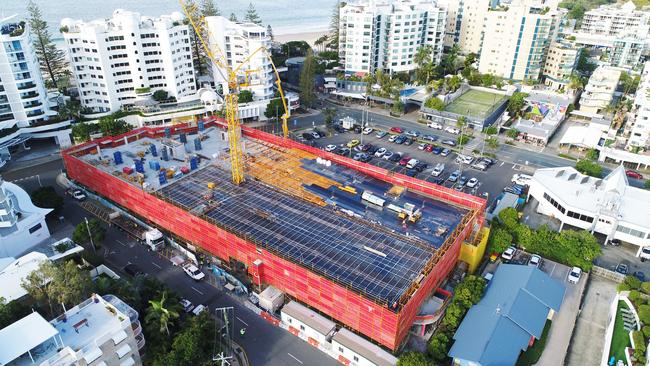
(242, 331)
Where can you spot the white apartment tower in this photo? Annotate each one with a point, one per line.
(465, 21)
(519, 38)
(616, 20)
(23, 97)
(639, 125)
(235, 42)
(385, 35)
(599, 92)
(120, 60)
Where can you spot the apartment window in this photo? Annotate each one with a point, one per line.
(555, 204)
(355, 358)
(341, 349)
(35, 228)
(621, 229)
(290, 321)
(302, 327)
(580, 217)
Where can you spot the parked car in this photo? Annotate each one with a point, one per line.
(133, 270)
(464, 159)
(452, 130)
(445, 152)
(438, 170)
(622, 268)
(521, 179)
(408, 141)
(367, 130)
(187, 305)
(645, 253)
(339, 129)
(330, 148)
(508, 254)
(473, 182)
(380, 152)
(428, 148)
(396, 129)
(401, 139)
(194, 272)
(422, 146)
(439, 181)
(199, 309)
(392, 138)
(381, 134)
(320, 133)
(412, 163)
(633, 174)
(449, 142)
(574, 275)
(436, 150)
(640, 275)
(387, 155)
(480, 165)
(366, 147)
(535, 261)
(343, 151)
(395, 157)
(411, 172)
(78, 194)
(431, 138)
(315, 135)
(405, 160)
(453, 177)
(412, 133)
(435, 125)
(307, 136)
(462, 181)
(357, 129)
(420, 167)
(353, 143)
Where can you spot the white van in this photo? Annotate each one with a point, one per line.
(412, 163)
(438, 170)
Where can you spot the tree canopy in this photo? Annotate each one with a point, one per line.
(52, 60)
(588, 167)
(111, 126)
(46, 197)
(80, 233)
(245, 96)
(251, 15)
(209, 8)
(307, 75)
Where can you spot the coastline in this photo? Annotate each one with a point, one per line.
(309, 37)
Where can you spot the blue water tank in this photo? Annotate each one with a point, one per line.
(168, 132)
(197, 144)
(153, 150)
(164, 155)
(183, 138)
(162, 178)
(117, 156)
(139, 166)
(201, 126)
(194, 163)
(154, 165)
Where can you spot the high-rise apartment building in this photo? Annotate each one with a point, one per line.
(99, 331)
(638, 125)
(616, 20)
(599, 92)
(520, 34)
(465, 21)
(560, 63)
(237, 41)
(23, 97)
(125, 58)
(385, 35)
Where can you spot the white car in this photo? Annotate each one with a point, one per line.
(330, 148)
(387, 155)
(435, 125)
(315, 135)
(522, 179)
(379, 153)
(574, 275)
(187, 305)
(438, 170)
(367, 130)
(464, 159)
(198, 309)
(392, 138)
(194, 273)
(78, 194)
(472, 183)
(452, 130)
(535, 261)
(508, 254)
(422, 146)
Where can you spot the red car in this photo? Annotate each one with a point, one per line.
(404, 160)
(396, 129)
(428, 148)
(633, 174)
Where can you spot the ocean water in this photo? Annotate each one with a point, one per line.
(285, 16)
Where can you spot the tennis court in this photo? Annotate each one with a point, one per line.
(475, 103)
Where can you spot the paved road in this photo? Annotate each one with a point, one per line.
(264, 343)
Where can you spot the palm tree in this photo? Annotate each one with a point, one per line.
(158, 313)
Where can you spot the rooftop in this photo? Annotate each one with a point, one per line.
(311, 318)
(367, 350)
(611, 196)
(12, 276)
(24, 335)
(303, 210)
(514, 308)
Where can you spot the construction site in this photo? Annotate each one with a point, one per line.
(361, 245)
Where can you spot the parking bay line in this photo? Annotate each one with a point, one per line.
(238, 318)
(159, 267)
(294, 357)
(195, 289)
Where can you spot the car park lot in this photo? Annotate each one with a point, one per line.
(490, 181)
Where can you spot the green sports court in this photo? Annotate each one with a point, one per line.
(475, 103)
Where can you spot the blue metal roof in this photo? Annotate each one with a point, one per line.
(514, 308)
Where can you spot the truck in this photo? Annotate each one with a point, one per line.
(152, 238)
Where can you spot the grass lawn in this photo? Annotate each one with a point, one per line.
(532, 354)
(621, 337)
(475, 103)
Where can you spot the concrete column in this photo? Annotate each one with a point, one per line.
(561, 226)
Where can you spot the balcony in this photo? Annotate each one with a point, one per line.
(29, 95)
(32, 105)
(36, 113)
(140, 341)
(26, 86)
(137, 327)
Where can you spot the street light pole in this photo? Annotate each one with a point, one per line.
(90, 236)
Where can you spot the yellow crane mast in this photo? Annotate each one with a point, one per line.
(231, 98)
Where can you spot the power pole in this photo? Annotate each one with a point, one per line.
(90, 236)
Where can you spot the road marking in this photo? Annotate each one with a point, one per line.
(124, 245)
(159, 267)
(294, 357)
(503, 162)
(246, 324)
(195, 289)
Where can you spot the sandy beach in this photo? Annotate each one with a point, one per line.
(309, 37)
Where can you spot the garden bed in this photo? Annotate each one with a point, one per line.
(621, 337)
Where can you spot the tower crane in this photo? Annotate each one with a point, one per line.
(233, 74)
